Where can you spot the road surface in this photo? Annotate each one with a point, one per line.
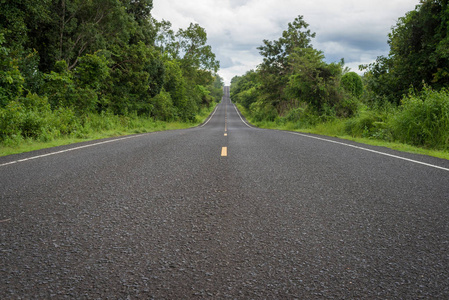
(221, 211)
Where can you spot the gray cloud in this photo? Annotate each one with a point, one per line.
(354, 30)
(225, 61)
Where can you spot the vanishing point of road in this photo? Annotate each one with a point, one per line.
(223, 210)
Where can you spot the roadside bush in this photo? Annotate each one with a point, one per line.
(65, 90)
(263, 112)
(423, 120)
(303, 116)
(11, 117)
(34, 101)
(347, 107)
(28, 117)
(84, 100)
(100, 122)
(368, 124)
(247, 97)
(64, 121)
(203, 95)
(33, 124)
(353, 84)
(163, 106)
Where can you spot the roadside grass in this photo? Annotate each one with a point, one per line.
(136, 125)
(336, 128)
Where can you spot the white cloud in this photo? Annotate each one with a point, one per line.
(350, 29)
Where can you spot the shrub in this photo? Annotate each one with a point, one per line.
(303, 116)
(28, 117)
(347, 107)
(163, 106)
(11, 118)
(84, 100)
(423, 120)
(366, 124)
(247, 97)
(353, 84)
(263, 111)
(91, 71)
(64, 120)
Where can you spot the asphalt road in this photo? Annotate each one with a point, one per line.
(174, 215)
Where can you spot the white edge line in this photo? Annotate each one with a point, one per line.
(369, 150)
(72, 149)
(86, 146)
(210, 118)
(235, 107)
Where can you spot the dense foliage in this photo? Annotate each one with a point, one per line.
(294, 79)
(402, 97)
(419, 54)
(63, 62)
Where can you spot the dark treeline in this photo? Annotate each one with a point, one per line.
(64, 63)
(401, 97)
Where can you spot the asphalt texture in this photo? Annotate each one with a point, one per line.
(166, 216)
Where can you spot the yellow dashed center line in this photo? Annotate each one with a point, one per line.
(224, 151)
(226, 118)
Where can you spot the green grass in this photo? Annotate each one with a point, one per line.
(336, 128)
(134, 126)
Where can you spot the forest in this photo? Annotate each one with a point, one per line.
(402, 97)
(74, 67)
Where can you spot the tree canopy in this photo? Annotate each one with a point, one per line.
(96, 56)
(419, 53)
(402, 96)
(292, 72)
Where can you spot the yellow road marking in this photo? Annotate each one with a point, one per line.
(224, 151)
(226, 118)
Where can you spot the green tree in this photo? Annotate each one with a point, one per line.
(86, 56)
(92, 71)
(165, 39)
(216, 88)
(419, 55)
(143, 27)
(353, 84)
(163, 108)
(18, 20)
(11, 80)
(196, 53)
(79, 27)
(20, 17)
(140, 10)
(245, 89)
(314, 81)
(62, 90)
(176, 85)
(276, 66)
(137, 75)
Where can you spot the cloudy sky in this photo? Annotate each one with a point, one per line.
(355, 30)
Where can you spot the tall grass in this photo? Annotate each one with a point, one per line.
(423, 120)
(25, 125)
